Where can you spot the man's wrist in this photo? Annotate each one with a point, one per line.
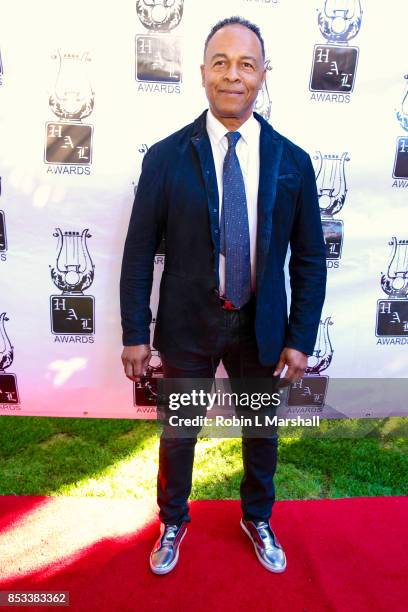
(136, 340)
(294, 348)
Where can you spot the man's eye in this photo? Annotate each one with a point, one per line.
(219, 62)
(248, 65)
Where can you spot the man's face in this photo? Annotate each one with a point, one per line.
(233, 72)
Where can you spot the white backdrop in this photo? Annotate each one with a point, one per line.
(136, 76)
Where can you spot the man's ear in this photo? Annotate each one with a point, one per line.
(202, 68)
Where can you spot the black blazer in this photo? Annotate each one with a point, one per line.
(177, 197)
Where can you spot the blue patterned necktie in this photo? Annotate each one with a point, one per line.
(234, 228)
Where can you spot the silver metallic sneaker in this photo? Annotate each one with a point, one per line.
(268, 550)
(165, 553)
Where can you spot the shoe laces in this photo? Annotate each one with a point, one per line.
(266, 533)
(170, 532)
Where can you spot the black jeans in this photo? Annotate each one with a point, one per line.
(237, 348)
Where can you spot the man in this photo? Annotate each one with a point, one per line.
(229, 194)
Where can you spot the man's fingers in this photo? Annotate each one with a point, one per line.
(133, 378)
(294, 374)
(128, 366)
(279, 367)
(134, 369)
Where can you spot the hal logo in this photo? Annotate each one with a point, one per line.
(72, 312)
(335, 63)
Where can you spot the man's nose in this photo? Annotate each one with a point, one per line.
(232, 73)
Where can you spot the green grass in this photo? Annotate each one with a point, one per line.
(118, 458)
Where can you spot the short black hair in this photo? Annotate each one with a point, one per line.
(233, 21)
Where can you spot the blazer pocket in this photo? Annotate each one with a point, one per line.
(288, 186)
(289, 175)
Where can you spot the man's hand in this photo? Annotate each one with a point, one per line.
(135, 360)
(296, 362)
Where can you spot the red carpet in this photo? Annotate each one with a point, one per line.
(343, 555)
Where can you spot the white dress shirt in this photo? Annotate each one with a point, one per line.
(247, 149)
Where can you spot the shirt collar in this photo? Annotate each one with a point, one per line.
(249, 130)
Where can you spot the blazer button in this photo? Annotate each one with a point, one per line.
(216, 292)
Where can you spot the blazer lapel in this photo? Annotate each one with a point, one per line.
(270, 149)
(201, 143)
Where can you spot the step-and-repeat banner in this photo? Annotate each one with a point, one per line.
(87, 87)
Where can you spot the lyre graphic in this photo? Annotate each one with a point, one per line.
(323, 351)
(72, 98)
(402, 113)
(74, 269)
(263, 102)
(340, 20)
(6, 348)
(331, 182)
(395, 281)
(160, 15)
(8, 381)
(401, 154)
